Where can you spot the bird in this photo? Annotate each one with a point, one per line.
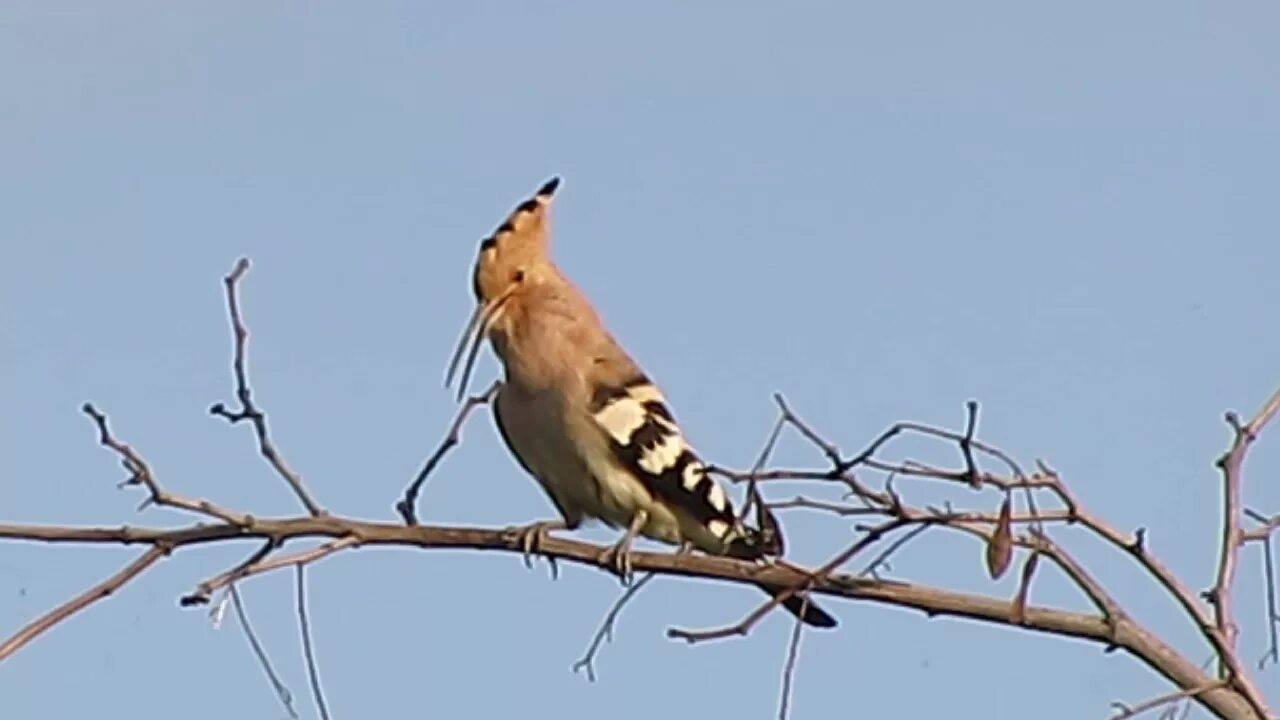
(581, 416)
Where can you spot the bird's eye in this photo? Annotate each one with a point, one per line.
(517, 276)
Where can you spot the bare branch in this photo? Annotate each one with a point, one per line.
(259, 563)
(1264, 530)
(966, 443)
(140, 474)
(82, 601)
(1231, 464)
(766, 522)
(1138, 549)
(308, 651)
(282, 692)
(1272, 608)
(248, 409)
(1124, 711)
(793, 657)
(407, 507)
(828, 449)
(1127, 635)
(1229, 693)
(744, 626)
(605, 631)
(801, 502)
(882, 560)
(1024, 588)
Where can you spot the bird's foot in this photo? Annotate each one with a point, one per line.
(530, 538)
(617, 558)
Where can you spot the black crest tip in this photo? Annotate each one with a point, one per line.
(549, 188)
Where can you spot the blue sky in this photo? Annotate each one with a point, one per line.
(881, 210)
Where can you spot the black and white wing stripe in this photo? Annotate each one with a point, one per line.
(647, 441)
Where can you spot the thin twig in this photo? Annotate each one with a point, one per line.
(304, 627)
(605, 631)
(140, 474)
(258, 563)
(802, 502)
(966, 443)
(1267, 526)
(774, 538)
(282, 692)
(82, 601)
(1231, 464)
(1273, 606)
(407, 507)
(1220, 595)
(248, 409)
(1124, 710)
(841, 509)
(828, 449)
(745, 625)
(1019, 612)
(793, 657)
(1106, 604)
(205, 589)
(882, 560)
(1138, 549)
(865, 457)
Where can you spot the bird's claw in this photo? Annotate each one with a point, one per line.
(530, 538)
(618, 559)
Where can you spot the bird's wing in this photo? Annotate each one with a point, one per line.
(646, 441)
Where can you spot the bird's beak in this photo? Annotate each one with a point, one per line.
(477, 327)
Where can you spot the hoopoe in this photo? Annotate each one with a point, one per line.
(583, 419)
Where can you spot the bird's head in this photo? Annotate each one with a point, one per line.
(511, 262)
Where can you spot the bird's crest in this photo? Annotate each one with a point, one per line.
(505, 258)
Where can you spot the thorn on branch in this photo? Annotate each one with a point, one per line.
(966, 443)
(1233, 420)
(1139, 544)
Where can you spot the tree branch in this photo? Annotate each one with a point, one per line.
(1231, 464)
(248, 409)
(407, 507)
(83, 600)
(1127, 634)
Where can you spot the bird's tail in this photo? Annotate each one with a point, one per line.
(803, 607)
(754, 544)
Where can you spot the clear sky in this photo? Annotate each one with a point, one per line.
(1065, 211)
